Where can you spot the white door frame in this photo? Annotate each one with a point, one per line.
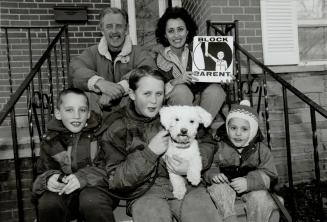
(162, 5)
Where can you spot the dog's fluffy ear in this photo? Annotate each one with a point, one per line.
(165, 118)
(205, 117)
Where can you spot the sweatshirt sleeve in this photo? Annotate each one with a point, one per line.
(266, 172)
(82, 68)
(45, 167)
(126, 170)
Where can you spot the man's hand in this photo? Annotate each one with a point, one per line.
(111, 90)
(105, 100)
(72, 184)
(159, 143)
(177, 165)
(220, 178)
(239, 184)
(53, 185)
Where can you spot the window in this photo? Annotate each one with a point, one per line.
(312, 31)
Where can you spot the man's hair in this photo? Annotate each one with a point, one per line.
(109, 10)
(142, 71)
(175, 13)
(70, 91)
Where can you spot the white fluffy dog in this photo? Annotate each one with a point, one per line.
(182, 123)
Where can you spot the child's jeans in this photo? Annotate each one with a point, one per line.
(259, 205)
(196, 206)
(91, 204)
(211, 97)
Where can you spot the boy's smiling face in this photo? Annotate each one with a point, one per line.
(73, 112)
(238, 131)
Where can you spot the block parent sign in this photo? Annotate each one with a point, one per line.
(213, 58)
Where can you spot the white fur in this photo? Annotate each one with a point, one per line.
(177, 119)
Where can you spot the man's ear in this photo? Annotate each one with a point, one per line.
(89, 114)
(131, 94)
(57, 114)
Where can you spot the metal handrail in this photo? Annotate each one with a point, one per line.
(15, 97)
(288, 86)
(28, 86)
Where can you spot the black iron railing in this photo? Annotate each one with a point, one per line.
(243, 86)
(37, 87)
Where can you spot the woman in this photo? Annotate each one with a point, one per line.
(134, 143)
(175, 30)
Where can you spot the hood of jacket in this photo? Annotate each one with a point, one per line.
(221, 135)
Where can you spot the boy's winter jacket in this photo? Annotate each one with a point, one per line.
(131, 165)
(63, 152)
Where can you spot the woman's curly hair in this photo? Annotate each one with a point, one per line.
(174, 13)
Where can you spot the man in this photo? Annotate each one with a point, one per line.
(99, 70)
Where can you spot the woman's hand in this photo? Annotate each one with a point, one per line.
(177, 165)
(53, 185)
(220, 178)
(72, 184)
(187, 78)
(239, 184)
(159, 143)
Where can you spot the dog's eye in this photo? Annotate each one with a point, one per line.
(177, 119)
(191, 121)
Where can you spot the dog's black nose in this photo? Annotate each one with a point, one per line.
(183, 130)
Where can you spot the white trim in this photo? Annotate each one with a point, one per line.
(312, 23)
(279, 32)
(162, 5)
(132, 21)
(176, 3)
(115, 3)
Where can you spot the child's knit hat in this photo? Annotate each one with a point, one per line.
(245, 111)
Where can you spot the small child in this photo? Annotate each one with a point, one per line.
(243, 166)
(66, 185)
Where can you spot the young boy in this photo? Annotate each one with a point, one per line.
(68, 181)
(243, 166)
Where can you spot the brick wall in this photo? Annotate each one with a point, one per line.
(8, 196)
(246, 11)
(313, 85)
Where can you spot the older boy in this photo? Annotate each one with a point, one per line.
(68, 182)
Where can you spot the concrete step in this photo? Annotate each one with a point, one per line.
(23, 139)
(120, 213)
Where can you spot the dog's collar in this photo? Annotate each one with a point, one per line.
(180, 145)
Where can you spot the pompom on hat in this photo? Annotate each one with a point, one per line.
(246, 112)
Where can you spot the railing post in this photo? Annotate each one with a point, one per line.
(265, 93)
(238, 64)
(289, 154)
(50, 106)
(67, 49)
(14, 141)
(316, 160)
(208, 27)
